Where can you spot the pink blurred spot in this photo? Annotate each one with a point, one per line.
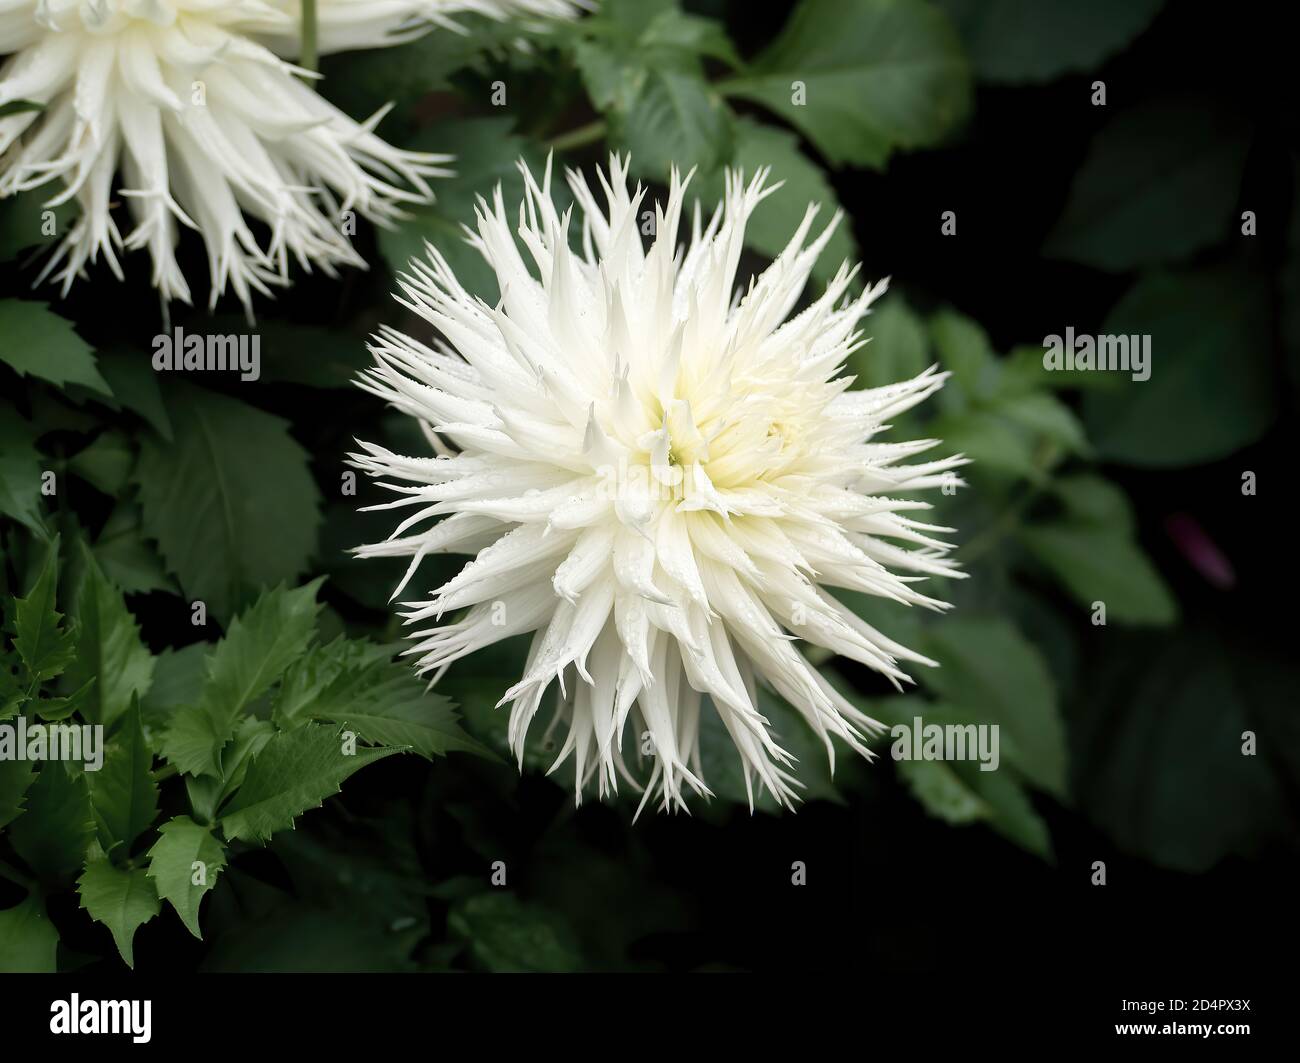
(1201, 552)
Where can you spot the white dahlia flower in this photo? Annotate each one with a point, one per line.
(195, 104)
(660, 478)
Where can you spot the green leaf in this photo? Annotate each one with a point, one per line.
(1199, 404)
(28, 941)
(898, 347)
(774, 222)
(230, 501)
(109, 648)
(122, 900)
(16, 778)
(127, 559)
(261, 644)
(504, 934)
(54, 833)
(356, 685)
(106, 463)
(14, 107)
(1161, 737)
(39, 343)
(486, 153)
(178, 678)
(181, 845)
(135, 387)
(45, 648)
(959, 792)
(991, 674)
(20, 472)
(1159, 183)
(295, 772)
(1021, 41)
(878, 75)
(123, 793)
(677, 119)
(25, 221)
(1091, 549)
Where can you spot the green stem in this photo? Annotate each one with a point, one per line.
(578, 138)
(309, 59)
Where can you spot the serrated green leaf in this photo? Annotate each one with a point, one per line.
(294, 773)
(262, 643)
(109, 648)
(876, 75)
(181, 845)
(123, 793)
(16, 778)
(122, 900)
(38, 343)
(677, 119)
(45, 647)
(357, 685)
(20, 471)
(230, 500)
(28, 940)
(53, 834)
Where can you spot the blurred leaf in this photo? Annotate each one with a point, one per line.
(22, 217)
(28, 941)
(109, 649)
(135, 387)
(1019, 41)
(1092, 551)
(774, 222)
(898, 349)
(37, 342)
(1159, 183)
(126, 558)
(989, 672)
(1211, 388)
(1159, 740)
(106, 463)
(231, 501)
(181, 844)
(879, 75)
(294, 773)
(505, 934)
(122, 900)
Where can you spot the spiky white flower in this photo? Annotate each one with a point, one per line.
(660, 482)
(211, 128)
